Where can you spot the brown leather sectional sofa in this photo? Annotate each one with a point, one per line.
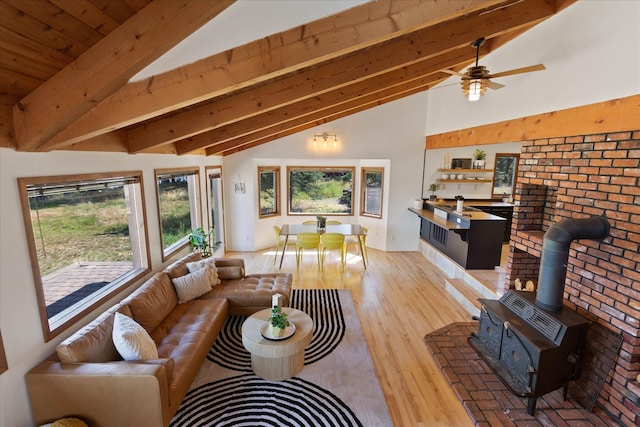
(88, 379)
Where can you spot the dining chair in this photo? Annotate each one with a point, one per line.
(332, 241)
(307, 241)
(353, 240)
(334, 222)
(280, 242)
(309, 222)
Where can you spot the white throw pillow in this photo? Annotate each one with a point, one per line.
(208, 263)
(192, 285)
(131, 340)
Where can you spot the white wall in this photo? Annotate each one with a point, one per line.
(391, 135)
(19, 318)
(591, 51)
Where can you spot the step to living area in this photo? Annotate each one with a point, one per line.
(467, 286)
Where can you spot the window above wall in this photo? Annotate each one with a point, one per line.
(371, 194)
(320, 190)
(178, 195)
(87, 240)
(269, 191)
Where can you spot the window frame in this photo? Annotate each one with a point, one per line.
(351, 169)
(363, 189)
(141, 239)
(3, 357)
(218, 226)
(276, 192)
(515, 159)
(195, 207)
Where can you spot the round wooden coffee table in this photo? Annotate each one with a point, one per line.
(281, 359)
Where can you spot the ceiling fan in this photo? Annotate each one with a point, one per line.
(477, 78)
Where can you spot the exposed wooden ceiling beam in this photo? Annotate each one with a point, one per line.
(310, 107)
(262, 60)
(349, 69)
(107, 66)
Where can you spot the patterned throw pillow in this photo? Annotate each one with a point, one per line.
(207, 263)
(131, 340)
(192, 285)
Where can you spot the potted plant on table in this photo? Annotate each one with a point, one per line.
(479, 157)
(322, 222)
(278, 321)
(433, 188)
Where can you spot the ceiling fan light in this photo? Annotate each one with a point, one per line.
(475, 89)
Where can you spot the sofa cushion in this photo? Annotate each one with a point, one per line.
(131, 340)
(186, 336)
(194, 284)
(179, 268)
(93, 343)
(208, 264)
(153, 301)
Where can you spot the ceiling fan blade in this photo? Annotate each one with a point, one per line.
(494, 85)
(528, 69)
(454, 73)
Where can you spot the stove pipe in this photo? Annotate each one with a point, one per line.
(555, 255)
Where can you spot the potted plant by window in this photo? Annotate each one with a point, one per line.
(433, 188)
(479, 157)
(202, 241)
(278, 321)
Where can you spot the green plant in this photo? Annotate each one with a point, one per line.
(202, 241)
(479, 154)
(433, 188)
(278, 318)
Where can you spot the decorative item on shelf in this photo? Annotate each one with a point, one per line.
(479, 159)
(202, 241)
(459, 202)
(433, 188)
(278, 321)
(460, 176)
(322, 222)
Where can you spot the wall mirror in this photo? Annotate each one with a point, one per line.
(505, 173)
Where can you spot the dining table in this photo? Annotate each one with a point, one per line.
(346, 229)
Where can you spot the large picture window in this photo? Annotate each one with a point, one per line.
(320, 190)
(87, 239)
(178, 207)
(269, 190)
(371, 192)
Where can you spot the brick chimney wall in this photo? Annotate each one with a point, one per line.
(577, 177)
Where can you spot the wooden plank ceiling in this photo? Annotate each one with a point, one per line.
(65, 67)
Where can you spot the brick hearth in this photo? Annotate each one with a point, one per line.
(487, 401)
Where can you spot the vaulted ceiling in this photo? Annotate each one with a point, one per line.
(66, 65)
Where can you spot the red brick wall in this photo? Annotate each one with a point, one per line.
(577, 177)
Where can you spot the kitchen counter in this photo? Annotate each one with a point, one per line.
(472, 238)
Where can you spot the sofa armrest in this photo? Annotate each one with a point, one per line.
(102, 394)
(230, 268)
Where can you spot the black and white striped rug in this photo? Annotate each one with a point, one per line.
(322, 305)
(337, 387)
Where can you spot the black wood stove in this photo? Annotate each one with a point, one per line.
(528, 340)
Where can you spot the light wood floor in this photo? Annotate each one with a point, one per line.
(399, 299)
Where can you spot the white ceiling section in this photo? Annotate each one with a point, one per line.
(243, 22)
(592, 54)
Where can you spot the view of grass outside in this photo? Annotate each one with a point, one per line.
(320, 190)
(269, 178)
(80, 226)
(175, 211)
